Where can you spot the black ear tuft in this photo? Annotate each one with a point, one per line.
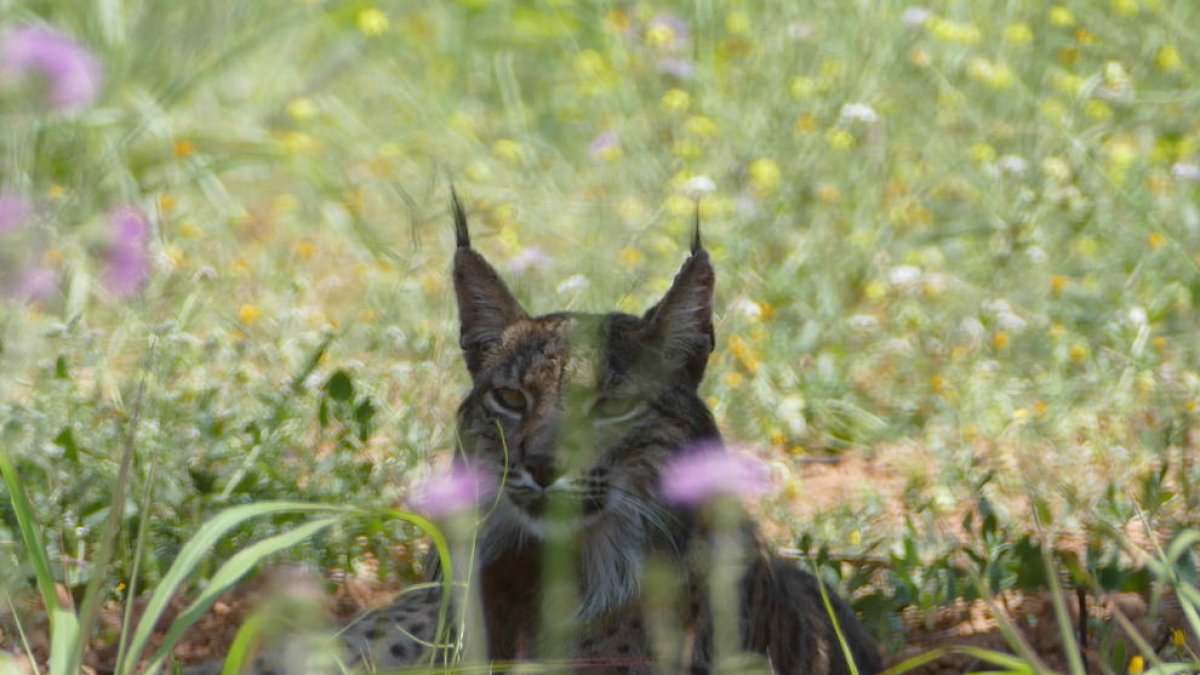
(681, 323)
(696, 245)
(485, 305)
(462, 237)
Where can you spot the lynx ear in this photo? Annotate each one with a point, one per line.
(485, 305)
(681, 323)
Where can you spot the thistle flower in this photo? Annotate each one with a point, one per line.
(128, 266)
(709, 470)
(459, 489)
(72, 74)
(35, 283)
(14, 210)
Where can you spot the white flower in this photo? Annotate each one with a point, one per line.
(916, 16)
(1137, 316)
(1186, 172)
(859, 112)
(698, 186)
(749, 309)
(790, 411)
(575, 282)
(863, 322)
(904, 276)
(1013, 165)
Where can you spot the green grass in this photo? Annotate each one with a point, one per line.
(1002, 270)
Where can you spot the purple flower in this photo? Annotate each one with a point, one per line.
(604, 144)
(676, 67)
(72, 74)
(35, 283)
(450, 492)
(708, 470)
(14, 210)
(128, 258)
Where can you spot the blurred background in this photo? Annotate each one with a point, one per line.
(957, 250)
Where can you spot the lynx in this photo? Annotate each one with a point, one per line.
(575, 415)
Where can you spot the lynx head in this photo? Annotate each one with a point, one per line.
(575, 415)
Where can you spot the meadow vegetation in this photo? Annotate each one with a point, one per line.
(959, 245)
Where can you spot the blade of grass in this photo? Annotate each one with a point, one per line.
(139, 549)
(193, 554)
(228, 575)
(90, 607)
(64, 624)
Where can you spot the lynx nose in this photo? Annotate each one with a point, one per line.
(543, 469)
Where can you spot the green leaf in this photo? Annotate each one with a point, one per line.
(66, 440)
(340, 387)
(194, 552)
(227, 576)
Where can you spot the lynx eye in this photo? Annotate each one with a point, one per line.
(508, 400)
(609, 410)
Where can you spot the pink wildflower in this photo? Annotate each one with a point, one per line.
(461, 488)
(72, 74)
(35, 284)
(128, 258)
(14, 211)
(708, 470)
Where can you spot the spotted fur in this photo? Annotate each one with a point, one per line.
(574, 415)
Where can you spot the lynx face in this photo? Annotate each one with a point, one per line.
(575, 414)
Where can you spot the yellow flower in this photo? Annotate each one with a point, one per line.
(1001, 339)
(995, 75)
(184, 148)
(1168, 59)
(829, 194)
(839, 139)
(745, 354)
(802, 87)
(249, 314)
(701, 126)
(765, 175)
(1018, 34)
(1061, 16)
(1078, 353)
(305, 249)
(57, 192)
(167, 203)
(1097, 110)
(1128, 8)
(1156, 240)
(1137, 665)
(807, 124)
(302, 108)
(507, 150)
(1058, 283)
(1178, 638)
(734, 380)
(630, 256)
(982, 153)
(738, 23)
(372, 21)
(676, 99)
(919, 57)
(661, 35)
